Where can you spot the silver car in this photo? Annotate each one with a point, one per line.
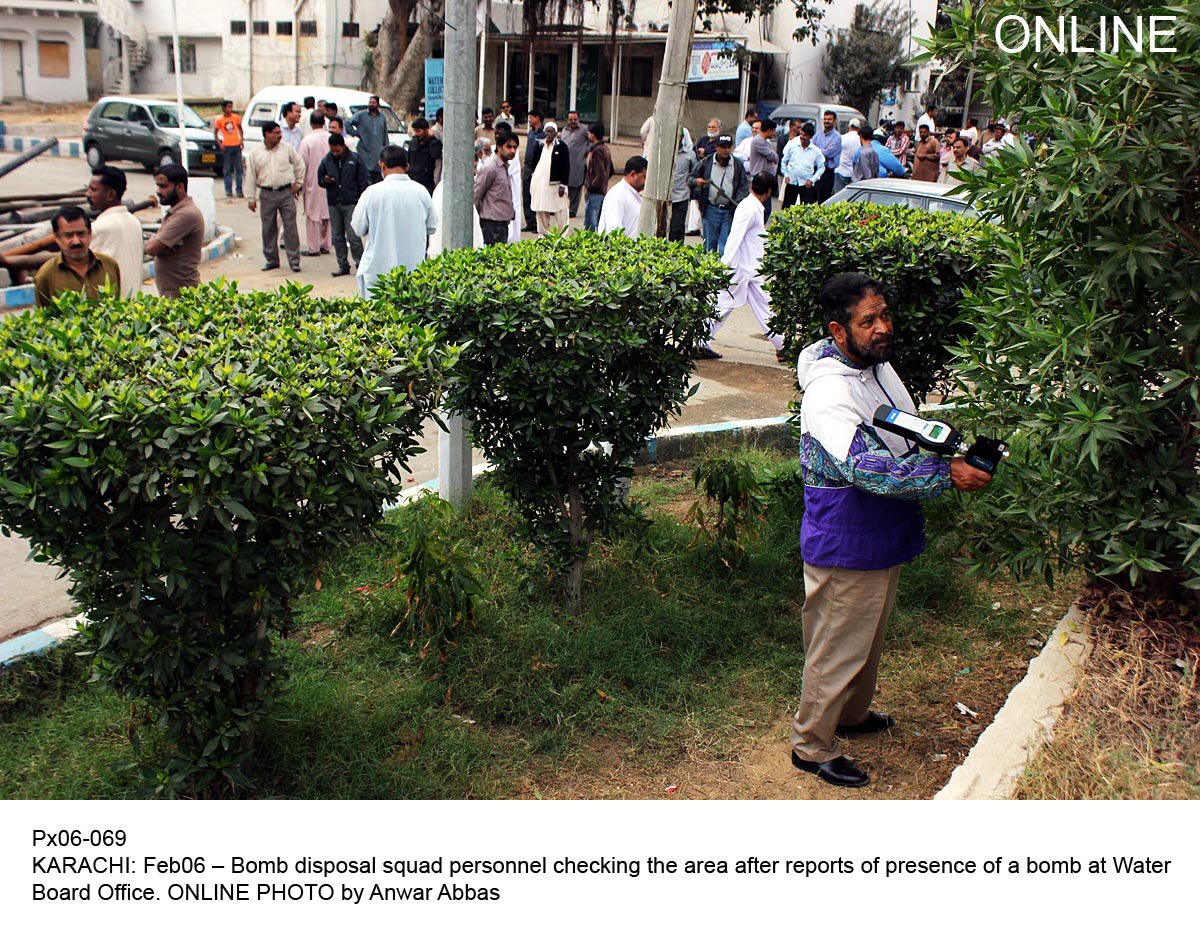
(146, 131)
(933, 197)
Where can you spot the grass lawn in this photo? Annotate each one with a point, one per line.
(678, 673)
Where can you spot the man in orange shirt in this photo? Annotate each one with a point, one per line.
(227, 129)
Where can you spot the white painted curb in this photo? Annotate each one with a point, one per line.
(1000, 755)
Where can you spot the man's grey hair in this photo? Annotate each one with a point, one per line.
(717, 121)
(481, 144)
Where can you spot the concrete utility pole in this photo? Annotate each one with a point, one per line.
(668, 113)
(458, 177)
(183, 160)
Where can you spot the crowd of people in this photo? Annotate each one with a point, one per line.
(352, 187)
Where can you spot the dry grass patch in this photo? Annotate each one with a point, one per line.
(1131, 730)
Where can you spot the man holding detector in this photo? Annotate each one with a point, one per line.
(862, 520)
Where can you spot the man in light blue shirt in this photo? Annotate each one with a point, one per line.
(395, 217)
(802, 167)
(743, 129)
(829, 142)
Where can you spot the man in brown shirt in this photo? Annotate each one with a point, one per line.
(927, 156)
(77, 268)
(176, 247)
(597, 174)
(493, 192)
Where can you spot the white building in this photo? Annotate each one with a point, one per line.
(41, 49)
(230, 48)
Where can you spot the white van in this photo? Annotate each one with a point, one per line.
(267, 105)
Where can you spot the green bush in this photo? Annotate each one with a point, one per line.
(1088, 336)
(186, 461)
(440, 589)
(569, 343)
(732, 503)
(924, 260)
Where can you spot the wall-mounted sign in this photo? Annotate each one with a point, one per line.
(435, 71)
(712, 61)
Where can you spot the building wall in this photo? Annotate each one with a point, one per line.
(29, 31)
(207, 81)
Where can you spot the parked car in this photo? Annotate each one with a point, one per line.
(814, 111)
(933, 197)
(146, 131)
(267, 105)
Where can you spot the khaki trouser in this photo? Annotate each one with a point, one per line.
(844, 615)
(282, 203)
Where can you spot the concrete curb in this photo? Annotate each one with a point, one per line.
(64, 148)
(673, 444)
(12, 298)
(1000, 755)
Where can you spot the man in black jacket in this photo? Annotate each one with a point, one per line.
(720, 184)
(424, 155)
(344, 177)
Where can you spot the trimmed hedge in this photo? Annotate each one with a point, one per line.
(924, 259)
(187, 461)
(568, 343)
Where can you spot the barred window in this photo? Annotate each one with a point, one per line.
(308, 27)
(283, 27)
(349, 30)
(237, 27)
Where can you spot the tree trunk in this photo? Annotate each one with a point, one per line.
(399, 61)
(580, 546)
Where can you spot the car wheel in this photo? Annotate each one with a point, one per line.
(166, 158)
(94, 157)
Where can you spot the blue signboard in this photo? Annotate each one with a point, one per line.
(435, 71)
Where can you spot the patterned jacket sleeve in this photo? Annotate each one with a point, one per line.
(871, 467)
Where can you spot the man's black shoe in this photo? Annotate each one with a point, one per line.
(705, 353)
(837, 772)
(269, 266)
(340, 273)
(875, 723)
(295, 268)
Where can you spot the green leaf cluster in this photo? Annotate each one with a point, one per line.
(186, 462)
(440, 589)
(925, 260)
(1089, 334)
(574, 349)
(733, 503)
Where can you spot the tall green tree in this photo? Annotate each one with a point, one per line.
(863, 60)
(1088, 339)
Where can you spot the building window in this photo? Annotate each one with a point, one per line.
(283, 27)
(262, 27)
(237, 27)
(54, 59)
(187, 57)
(349, 30)
(308, 27)
(637, 76)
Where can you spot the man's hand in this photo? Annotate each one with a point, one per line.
(252, 205)
(295, 189)
(808, 183)
(562, 190)
(701, 181)
(966, 478)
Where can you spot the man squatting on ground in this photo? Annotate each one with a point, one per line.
(862, 520)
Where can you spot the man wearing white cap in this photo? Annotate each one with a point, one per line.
(548, 193)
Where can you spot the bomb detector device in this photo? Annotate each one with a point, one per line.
(939, 437)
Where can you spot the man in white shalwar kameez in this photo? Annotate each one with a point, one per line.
(548, 189)
(623, 202)
(743, 254)
(395, 218)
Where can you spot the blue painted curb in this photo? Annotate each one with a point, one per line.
(64, 148)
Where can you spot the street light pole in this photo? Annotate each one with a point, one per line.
(668, 112)
(458, 174)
